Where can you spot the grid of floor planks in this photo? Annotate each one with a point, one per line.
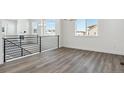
(66, 60)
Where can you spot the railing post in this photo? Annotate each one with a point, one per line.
(21, 45)
(37, 39)
(21, 51)
(4, 51)
(58, 41)
(20, 40)
(40, 44)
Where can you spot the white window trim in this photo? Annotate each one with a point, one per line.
(44, 28)
(86, 30)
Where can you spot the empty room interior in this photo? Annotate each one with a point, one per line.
(61, 45)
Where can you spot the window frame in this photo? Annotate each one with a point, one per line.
(33, 24)
(75, 34)
(76, 26)
(44, 28)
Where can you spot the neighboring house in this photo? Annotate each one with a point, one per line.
(92, 30)
(81, 33)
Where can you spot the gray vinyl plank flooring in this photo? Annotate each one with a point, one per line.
(66, 60)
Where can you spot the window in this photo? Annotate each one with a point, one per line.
(3, 29)
(35, 26)
(92, 27)
(85, 27)
(49, 27)
(80, 27)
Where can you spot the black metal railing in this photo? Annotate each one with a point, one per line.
(11, 50)
(19, 46)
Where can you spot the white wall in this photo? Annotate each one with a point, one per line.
(110, 37)
(59, 30)
(23, 25)
(10, 26)
(1, 44)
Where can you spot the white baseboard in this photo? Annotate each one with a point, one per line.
(108, 52)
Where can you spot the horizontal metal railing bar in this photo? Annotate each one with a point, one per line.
(11, 52)
(18, 52)
(23, 46)
(12, 55)
(19, 38)
(31, 37)
(30, 49)
(17, 45)
(49, 35)
(27, 41)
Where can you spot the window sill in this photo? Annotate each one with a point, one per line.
(48, 35)
(87, 36)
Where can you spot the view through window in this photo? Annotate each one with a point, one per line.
(35, 26)
(49, 27)
(86, 27)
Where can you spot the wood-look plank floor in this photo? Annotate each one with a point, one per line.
(66, 60)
